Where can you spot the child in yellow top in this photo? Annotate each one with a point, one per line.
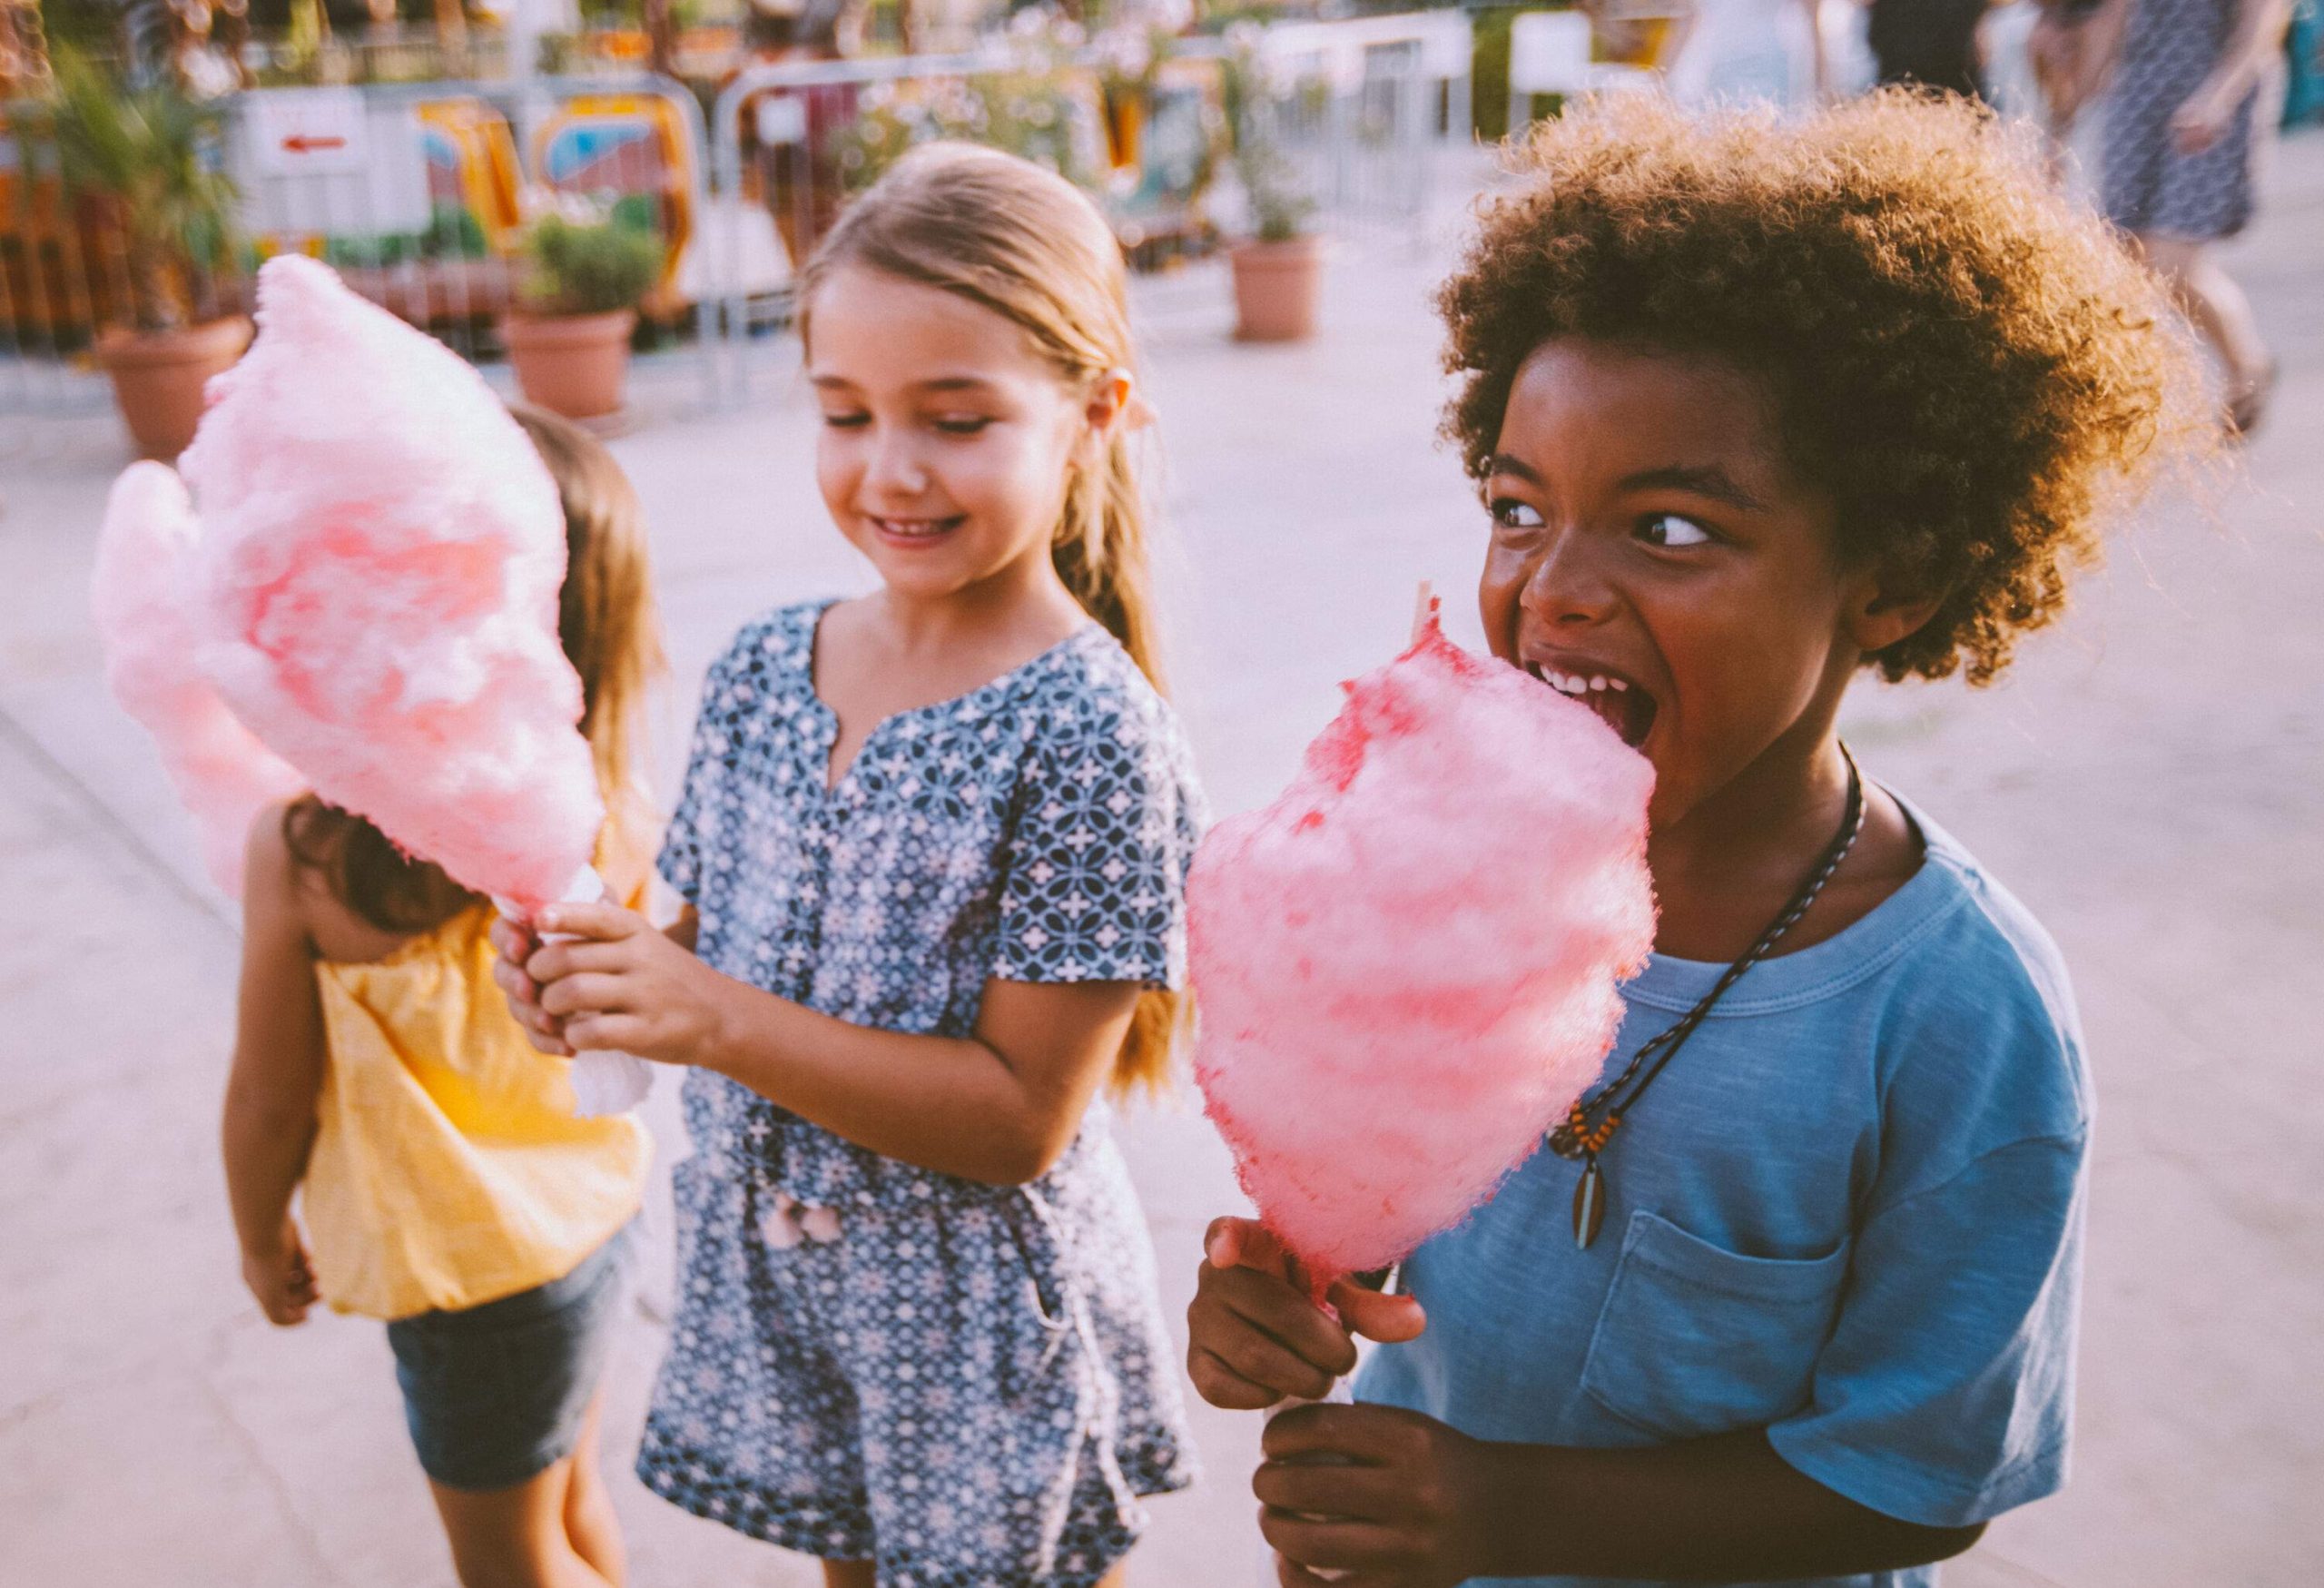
(447, 1185)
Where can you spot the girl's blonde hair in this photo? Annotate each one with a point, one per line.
(1025, 243)
(607, 622)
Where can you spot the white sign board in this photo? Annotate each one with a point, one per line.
(305, 132)
(326, 163)
(782, 119)
(1549, 52)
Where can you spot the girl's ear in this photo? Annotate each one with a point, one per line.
(1883, 610)
(1114, 404)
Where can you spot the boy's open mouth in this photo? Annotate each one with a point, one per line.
(1619, 703)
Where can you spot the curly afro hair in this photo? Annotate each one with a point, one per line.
(1969, 363)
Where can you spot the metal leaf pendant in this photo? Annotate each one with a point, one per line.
(1589, 1203)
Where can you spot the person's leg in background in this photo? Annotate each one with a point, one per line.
(2223, 315)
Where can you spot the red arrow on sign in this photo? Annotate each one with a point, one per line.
(302, 144)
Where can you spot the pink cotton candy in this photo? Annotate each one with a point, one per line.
(381, 551)
(222, 774)
(1407, 968)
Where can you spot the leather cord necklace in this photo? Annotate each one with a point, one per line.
(1590, 1128)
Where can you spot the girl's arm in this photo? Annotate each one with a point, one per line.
(277, 1070)
(2101, 48)
(2202, 120)
(998, 1106)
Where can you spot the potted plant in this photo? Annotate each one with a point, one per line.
(1279, 269)
(585, 271)
(142, 161)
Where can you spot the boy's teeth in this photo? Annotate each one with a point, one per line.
(1577, 683)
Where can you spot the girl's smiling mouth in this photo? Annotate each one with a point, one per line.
(1621, 705)
(914, 532)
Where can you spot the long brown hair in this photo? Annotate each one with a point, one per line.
(1025, 243)
(607, 622)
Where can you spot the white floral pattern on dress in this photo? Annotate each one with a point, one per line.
(970, 1385)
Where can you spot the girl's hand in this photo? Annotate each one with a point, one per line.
(1256, 1338)
(518, 943)
(281, 1276)
(622, 985)
(1378, 1496)
(2202, 121)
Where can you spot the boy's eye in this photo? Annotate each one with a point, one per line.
(1512, 514)
(846, 420)
(1670, 529)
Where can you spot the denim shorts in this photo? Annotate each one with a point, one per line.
(496, 1394)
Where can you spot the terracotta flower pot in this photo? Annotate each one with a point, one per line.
(572, 364)
(1277, 286)
(158, 377)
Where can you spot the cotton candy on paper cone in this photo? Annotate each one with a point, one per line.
(1406, 968)
(382, 552)
(367, 581)
(145, 621)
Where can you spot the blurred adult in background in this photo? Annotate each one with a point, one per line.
(2059, 50)
(1771, 50)
(2185, 86)
(1932, 43)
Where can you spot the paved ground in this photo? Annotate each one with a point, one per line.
(2148, 779)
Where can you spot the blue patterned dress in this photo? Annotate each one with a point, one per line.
(2169, 48)
(968, 1383)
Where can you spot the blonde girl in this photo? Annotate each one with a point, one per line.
(933, 842)
(446, 1184)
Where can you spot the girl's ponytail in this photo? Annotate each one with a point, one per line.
(1023, 243)
(1100, 553)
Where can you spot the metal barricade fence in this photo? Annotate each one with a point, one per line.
(414, 192)
(1365, 111)
(1374, 103)
(776, 184)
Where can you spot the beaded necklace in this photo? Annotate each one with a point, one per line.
(1591, 1127)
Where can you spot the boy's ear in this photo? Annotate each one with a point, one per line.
(1887, 610)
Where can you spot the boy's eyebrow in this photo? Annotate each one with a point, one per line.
(1701, 480)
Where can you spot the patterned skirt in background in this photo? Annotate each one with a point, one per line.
(2148, 186)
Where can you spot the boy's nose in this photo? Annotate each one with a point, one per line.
(1568, 583)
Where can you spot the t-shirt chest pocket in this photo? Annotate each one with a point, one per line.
(1695, 1339)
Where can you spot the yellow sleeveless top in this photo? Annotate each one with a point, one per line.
(449, 1169)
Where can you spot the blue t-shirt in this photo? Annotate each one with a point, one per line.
(1849, 1212)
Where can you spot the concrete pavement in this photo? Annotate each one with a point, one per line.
(2147, 780)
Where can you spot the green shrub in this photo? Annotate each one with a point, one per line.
(587, 267)
(1031, 113)
(148, 158)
